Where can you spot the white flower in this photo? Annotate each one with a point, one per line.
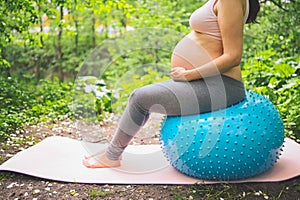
(13, 184)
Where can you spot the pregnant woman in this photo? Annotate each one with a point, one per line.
(206, 75)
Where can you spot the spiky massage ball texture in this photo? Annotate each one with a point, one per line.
(238, 142)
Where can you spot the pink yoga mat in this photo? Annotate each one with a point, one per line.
(60, 159)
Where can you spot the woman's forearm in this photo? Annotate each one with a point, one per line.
(217, 66)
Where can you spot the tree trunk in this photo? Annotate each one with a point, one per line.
(38, 64)
(93, 31)
(59, 51)
(41, 25)
(76, 27)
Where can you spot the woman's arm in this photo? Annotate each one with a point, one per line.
(231, 22)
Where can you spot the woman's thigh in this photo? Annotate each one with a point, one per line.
(185, 98)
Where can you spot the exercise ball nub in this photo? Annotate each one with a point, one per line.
(238, 142)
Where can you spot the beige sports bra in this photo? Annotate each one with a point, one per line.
(205, 21)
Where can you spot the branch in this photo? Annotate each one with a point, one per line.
(278, 4)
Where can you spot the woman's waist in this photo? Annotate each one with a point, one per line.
(213, 47)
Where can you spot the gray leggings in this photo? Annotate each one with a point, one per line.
(173, 98)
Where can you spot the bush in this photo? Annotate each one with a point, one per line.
(91, 99)
(24, 102)
(278, 79)
(15, 99)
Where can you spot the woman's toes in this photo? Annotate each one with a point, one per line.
(100, 161)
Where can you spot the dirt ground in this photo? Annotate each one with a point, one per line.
(17, 186)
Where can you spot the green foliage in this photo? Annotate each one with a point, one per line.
(278, 29)
(14, 101)
(160, 14)
(24, 102)
(15, 16)
(91, 99)
(133, 52)
(52, 100)
(95, 193)
(278, 79)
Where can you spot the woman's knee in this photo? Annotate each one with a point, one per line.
(142, 97)
(137, 97)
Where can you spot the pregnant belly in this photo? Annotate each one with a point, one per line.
(195, 50)
(188, 54)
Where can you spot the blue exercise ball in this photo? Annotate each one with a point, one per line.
(238, 142)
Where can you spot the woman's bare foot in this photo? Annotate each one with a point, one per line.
(97, 154)
(100, 160)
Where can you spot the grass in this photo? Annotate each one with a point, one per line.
(271, 191)
(220, 191)
(7, 176)
(2, 159)
(94, 193)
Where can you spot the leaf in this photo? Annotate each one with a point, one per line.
(284, 70)
(273, 82)
(72, 192)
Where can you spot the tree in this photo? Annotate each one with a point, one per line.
(16, 16)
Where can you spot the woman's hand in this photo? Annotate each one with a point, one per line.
(181, 74)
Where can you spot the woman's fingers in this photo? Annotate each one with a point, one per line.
(178, 74)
